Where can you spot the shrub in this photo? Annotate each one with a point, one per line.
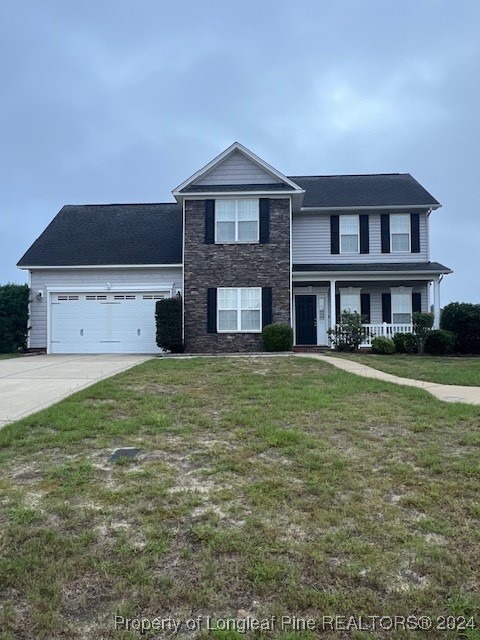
(13, 317)
(422, 325)
(277, 337)
(168, 316)
(383, 346)
(440, 342)
(405, 343)
(350, 333)
(463, 319)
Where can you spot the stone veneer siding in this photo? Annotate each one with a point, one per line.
(233, 265)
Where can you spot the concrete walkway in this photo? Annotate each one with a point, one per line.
(445, 392)
(31, 383)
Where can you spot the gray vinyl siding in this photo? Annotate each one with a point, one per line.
(237, 169)
(311, 242)
(41, 279)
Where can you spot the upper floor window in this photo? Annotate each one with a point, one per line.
(237, 220)
(349, 234)
(239, 309)
(400, 231)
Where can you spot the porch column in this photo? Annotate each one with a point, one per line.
(333, 316)
(436, 303)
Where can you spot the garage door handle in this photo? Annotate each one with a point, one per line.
(138, 332)
(81, 332)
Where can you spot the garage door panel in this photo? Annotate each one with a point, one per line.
(104, 323)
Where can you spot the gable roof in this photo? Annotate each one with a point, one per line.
(237, 148)
(371, 190)
(115, 234)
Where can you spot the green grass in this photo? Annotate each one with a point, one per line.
(444, 370)
(4, 356)
(265, 487)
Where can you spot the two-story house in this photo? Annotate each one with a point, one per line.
(245, 246)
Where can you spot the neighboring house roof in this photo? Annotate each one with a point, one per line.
(429, 267)
(115, 234)
(372, 190)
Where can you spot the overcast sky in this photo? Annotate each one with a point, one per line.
(120, 101)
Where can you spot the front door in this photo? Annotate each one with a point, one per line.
(306, 319)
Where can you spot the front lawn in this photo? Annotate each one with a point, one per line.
(4, 356)
(265, 487)
(444, 370)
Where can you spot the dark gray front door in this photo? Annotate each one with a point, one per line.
(305, 320)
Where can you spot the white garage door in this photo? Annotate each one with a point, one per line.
(104, 322)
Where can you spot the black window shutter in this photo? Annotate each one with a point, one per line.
(264, 220)
(415, 232)
(337, 308)
(385, 232)
(365, 306)
(364, 234)
(211, 310)
(209, 221)
(266, 306)
(386, 307)
(416, 302)
(334, 234)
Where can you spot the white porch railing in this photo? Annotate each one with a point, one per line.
(385, 329)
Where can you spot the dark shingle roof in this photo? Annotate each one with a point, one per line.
(375, 190)
(205, 188)
(434, 267)
(110, 234)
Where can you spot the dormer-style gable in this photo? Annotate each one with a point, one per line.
(237, 170)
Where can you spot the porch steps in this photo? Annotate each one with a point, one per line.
(311, 348)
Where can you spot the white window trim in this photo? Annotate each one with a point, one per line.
(409, 250)
(236, 241)
(351, 291)
(405, 291)
(358, 234)
(239, 310)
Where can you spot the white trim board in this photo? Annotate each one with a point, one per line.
(164, 286)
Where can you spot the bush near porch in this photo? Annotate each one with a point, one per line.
(277, 337)
(350, 333)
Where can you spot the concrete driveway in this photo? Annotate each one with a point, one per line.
(31, 383)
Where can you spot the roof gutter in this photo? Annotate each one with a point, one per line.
(352, 274)
(428, 207)
(101, 266)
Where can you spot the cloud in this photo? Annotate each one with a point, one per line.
(120, 101)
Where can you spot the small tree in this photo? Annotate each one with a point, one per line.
(168, 316)
(350, 334)
(422, 325)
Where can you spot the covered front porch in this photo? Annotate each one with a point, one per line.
(386, 303)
